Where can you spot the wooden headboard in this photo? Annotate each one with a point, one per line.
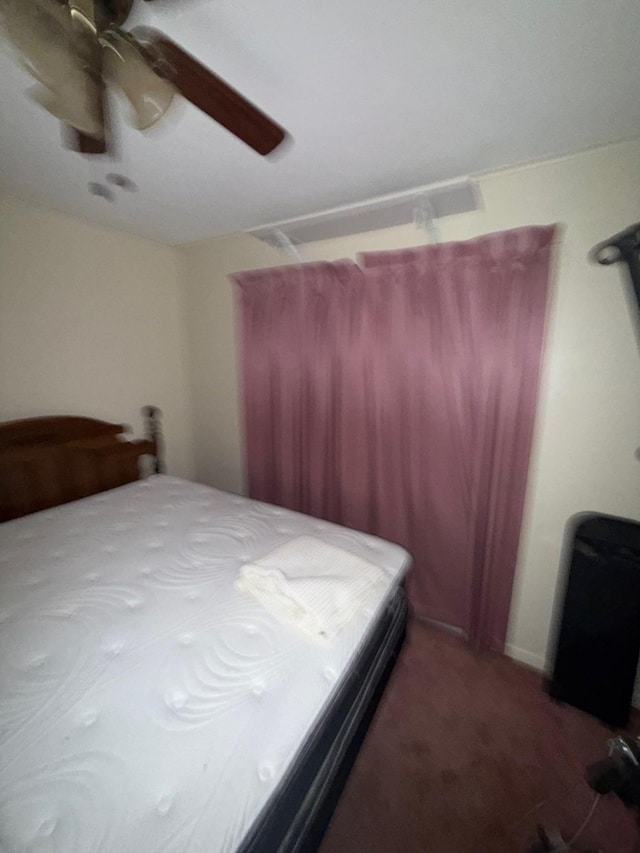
(52, 460)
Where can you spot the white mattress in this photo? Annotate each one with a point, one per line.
(145, 704)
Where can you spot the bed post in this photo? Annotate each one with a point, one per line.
(153, 430)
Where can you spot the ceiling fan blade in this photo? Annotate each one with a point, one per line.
(84, 144)
(95, 142)
(209, 92)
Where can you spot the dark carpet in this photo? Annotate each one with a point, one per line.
(462, 749)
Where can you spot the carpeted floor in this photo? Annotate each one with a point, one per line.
(462, 747)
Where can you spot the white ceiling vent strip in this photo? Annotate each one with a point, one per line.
(418, 205)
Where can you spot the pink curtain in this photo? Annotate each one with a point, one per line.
(399, 398)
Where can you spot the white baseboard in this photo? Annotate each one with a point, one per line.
(524, 656)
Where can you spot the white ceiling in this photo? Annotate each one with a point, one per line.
(379, 96)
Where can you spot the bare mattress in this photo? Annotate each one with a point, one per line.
(146, 704)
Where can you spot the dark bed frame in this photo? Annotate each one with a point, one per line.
(49, 461)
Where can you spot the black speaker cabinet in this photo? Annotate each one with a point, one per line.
(599, 633)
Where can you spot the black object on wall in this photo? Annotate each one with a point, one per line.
(599, 636)
(622, 248)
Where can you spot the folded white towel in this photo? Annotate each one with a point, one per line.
(311, 584)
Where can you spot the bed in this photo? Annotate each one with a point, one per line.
(146, 704)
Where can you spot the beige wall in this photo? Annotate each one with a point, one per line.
(214, 375)
(91, 322)
(589, 413)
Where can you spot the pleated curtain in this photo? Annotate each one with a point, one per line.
(398, 397)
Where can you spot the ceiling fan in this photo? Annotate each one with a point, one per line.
(75, 48)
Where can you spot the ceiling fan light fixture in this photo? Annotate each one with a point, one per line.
(124, 65)
(75, 103)
(43, 35)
